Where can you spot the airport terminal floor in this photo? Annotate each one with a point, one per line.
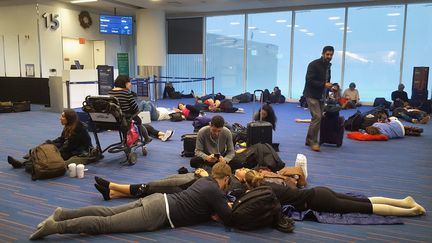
(394, 168)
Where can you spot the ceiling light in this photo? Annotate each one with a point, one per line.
(289, 26)
(303, 30)
(234, 23)
(296, 25)
(281, 21)
(339, 23)
(393, 14)
(349, 31)
(343, 28)
(391, 29)
(263, 31)
(334, 18)
(252, 27)
(392, 25)
(272, 34)
(83, 1)
(310, 34)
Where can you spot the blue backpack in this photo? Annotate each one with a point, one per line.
(201, 121)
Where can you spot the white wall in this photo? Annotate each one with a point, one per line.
(19, 22)
(73, 50)
(22, 21)
(99, 53)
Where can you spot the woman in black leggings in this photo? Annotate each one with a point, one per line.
(322, 199)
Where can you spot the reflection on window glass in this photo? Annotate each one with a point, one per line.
(418, 43)
(268, 52)
(185, 65)
(314, 30)
(225, 52)
(373, 53)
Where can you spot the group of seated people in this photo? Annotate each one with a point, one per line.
(193, 198)
(348, 100)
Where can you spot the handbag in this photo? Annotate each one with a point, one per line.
(132, 134)
(176, 116)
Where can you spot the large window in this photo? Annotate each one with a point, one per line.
(268, 52)
(418, 43)
(314, 30)
(373, 50)
(225, 53)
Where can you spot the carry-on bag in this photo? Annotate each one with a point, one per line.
(259, 131)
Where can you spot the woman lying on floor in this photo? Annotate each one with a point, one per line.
(323, 199)
(170, 184)
(73, 143)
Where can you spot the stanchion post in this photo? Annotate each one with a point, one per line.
(68, 94)
(212, 79)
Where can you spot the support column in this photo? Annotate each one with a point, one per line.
(151, 45)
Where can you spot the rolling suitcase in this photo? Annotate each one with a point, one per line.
(259, 131)
(189, 142)
(332, 128)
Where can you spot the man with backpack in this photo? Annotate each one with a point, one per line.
(214, 144)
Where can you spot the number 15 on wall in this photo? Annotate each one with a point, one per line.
(51, 21)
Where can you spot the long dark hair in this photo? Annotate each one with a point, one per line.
(271, 115)
(72, 122)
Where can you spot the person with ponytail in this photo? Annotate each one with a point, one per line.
(73, 142)
(323, 199)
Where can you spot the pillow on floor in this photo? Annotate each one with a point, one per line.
(366, 137)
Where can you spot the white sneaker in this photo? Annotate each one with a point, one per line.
(301, 161)
(168, 135)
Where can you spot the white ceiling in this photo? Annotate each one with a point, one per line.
(204, 7)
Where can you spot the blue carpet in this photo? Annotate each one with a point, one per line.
(396, 168)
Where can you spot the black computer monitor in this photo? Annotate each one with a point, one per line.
(73, 66)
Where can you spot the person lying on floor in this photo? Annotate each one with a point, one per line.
(392, 128)
(268, 114)
(195, 205)
(171, 184)
(411, 115)
(73, 143)
(189, 112)
(323, 199)
(156, 113)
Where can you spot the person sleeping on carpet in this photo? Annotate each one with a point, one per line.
(392, 128)
(323, 199)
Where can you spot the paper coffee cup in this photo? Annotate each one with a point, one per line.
(72, 170)
(80, 171)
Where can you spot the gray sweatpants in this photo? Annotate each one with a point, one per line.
(316, 109)
(146, 214)
(174, 180)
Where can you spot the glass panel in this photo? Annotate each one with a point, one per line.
(185, 65)
(418, 43)
(225, 52)
(268, 56)
(374, 41)
(314, 30)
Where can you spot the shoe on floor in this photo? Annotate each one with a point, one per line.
(15, 163)
(168, 135)
(315, 147)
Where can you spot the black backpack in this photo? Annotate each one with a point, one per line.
(176, 116)
(353, 123)
(46, 162)
(263, 155)
(256, 209)
(189, 143)
(382, 102)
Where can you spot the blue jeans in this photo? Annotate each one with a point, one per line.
(149, 106)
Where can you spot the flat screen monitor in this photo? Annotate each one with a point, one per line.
(73, 67)
(120, 25)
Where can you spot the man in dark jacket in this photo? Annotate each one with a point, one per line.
(317, 80)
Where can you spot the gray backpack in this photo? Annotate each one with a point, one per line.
(47, 162)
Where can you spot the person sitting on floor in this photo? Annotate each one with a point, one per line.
(411, 115)
(171, 184)
(268, 114)
(399, 97)
(73, 143)
(214, 144)
(194, 205)
(323, 199)
(392, 128)
(350, 97)
(276, 96)
(170, 92)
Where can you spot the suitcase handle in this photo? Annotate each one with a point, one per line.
(254, 100)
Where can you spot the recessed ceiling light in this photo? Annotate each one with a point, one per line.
(391, 30)
(252, 27)
(349, 31)
(391, 25)
(234, 23)
(296, 25)
(334, 18)
(288, 25)
(263, 31)
(83, 1)
(281, 21)
(272, 34)
(393, 14)
(342, 28)
(310, 34)
(303, 30)
(339, 23)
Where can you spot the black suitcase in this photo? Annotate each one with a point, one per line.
(259, 131)
(21, 106)
(6, 107)
(189, 143)
(332, 129)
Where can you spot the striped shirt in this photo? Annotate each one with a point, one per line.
(127, 101)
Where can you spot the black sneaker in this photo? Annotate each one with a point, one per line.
(15, 163)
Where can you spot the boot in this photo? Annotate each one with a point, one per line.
(15, 163)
